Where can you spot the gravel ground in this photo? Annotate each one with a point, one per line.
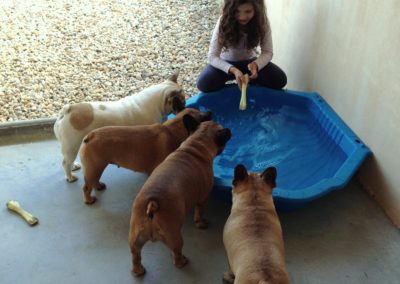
(63, 51)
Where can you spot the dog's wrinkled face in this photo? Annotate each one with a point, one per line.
(245, 181)
(221, 138)
(213, 134)
(175, 100)
(174, 95)
(220, 135)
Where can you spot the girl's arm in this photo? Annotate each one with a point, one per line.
(266, 50)
(214, 52)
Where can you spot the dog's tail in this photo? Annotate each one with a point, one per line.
(60, 117)
(88, 137)
(66, 109)
(152, 207)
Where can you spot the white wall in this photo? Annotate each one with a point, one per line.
(349, 52)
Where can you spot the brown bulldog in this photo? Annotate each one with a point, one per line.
(140, 148)
(253, 234)
(182, 181)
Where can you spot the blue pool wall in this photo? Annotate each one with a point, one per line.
(334, 127)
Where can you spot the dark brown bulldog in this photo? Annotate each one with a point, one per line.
(182, 181)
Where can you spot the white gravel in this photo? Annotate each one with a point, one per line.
(62, 51)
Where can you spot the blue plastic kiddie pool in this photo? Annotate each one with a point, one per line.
(313, 150)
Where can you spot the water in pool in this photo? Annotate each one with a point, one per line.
(287, 137)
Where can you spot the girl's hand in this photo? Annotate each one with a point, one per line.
(253, 68)
(238, 76)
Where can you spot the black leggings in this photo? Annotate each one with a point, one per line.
(212, 79)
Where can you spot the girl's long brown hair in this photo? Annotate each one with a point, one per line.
(229, 29)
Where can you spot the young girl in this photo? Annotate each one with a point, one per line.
(242, 27)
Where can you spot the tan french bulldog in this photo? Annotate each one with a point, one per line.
(149, 106)
(182, 181)
(253, 234)
(140, 148)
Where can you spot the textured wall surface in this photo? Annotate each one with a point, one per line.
(348, 51)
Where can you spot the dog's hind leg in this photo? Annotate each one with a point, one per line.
(70, 154)
(92, 174)
(68, 166)
(198, 215)
(228, 277)
(174, 242)
(87, 198)
(136, 242)
(75, 166)
(91, 177)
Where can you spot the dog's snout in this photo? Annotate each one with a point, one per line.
(227, 133)
(208, 115)
(223, 137)
(178, 105)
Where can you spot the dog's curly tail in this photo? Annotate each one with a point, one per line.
(88, 137)
(65, 109)
(152, 207)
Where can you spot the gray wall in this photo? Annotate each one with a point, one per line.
(349, 52)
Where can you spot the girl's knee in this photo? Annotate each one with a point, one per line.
(273, 78)
(206, 84)
(211, 79)
(203, 85)
(280, 81)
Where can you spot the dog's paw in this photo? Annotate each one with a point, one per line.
(138, 271)
(228, 277)
(90, 200)
(181, 261)
(201, 224)
(75, 166)
(71, 178)
(102, 186)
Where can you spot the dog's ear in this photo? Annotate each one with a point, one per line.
(208, 115)
(240, 173)
(174, 77)
(222, 137)
(205, 116)
(177, 105)
(269, 176)
(190, 123)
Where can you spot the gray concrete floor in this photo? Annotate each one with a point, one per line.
(341, 238)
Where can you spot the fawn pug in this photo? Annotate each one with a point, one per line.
(252, 233)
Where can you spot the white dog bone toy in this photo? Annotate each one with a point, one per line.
(242, 105)
(29, 218)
